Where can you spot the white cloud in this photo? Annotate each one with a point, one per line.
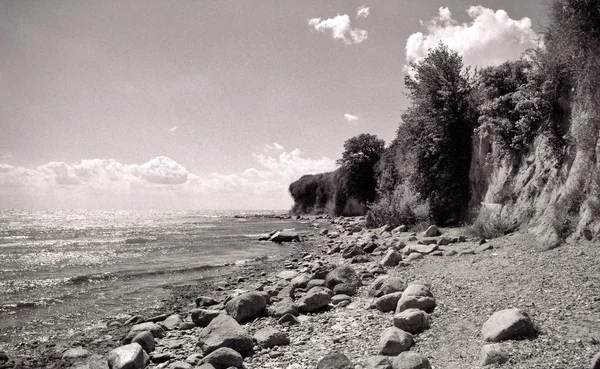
(362, 12)
(340, 29)
(173, 130)
(158, 183)
(350, 117)
(490, 38)
(6, 156)
(274, 147)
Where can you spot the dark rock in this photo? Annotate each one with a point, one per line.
(130, 356)
(161, 357)
(596, 361)
(153, 328)
(342, 274)
(223, 358)
(432, 231)
(335, 361)
(345, 289)
(360, 259)
(314, 300)
(412, 321)
(146, 340)
(315, 283)
(493, 354)
(369, 247)
(410, 360)
(287, 320)
(285, 306)
(394, 341)
(352, 251)
(387, 302)
(157, 318)
(300, 281)
(378, 362)
(321, 271)
(507, 324)
(270, 337)
(3, 356)
(186, 326)
(203, 301)
(246, 307)
(202, 317)
(224, 331)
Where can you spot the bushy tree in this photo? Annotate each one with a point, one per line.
(357, 166)
(439, 127)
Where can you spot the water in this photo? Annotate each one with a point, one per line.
(62, 266)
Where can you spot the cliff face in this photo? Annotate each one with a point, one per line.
(552, 191)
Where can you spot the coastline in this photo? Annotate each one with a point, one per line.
(468, 287)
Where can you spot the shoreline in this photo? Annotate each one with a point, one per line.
(468, 287)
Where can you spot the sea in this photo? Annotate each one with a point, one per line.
(62, 267)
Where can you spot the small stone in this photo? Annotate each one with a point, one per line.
(412, 321)
(394, 341)
(335, 361)
(270, 337)
(224, 358)
(410, 360)
(507, 324)
(493, 354)
(130, 356)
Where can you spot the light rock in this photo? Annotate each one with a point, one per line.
(335, 361)
(285, 236)
(414, 256)
(378, 362)
(74, 353)
(507, 324)
(246, 307)
(130, 356)
(387, 302)
(432, 231)
(315, 283)
(224, 331)
(224, 358)
(336, 299)
(315, 299)
(416, 296)
(288, 275)
(421, 249)
(172, 322)
(493, 354)
(269, 337)
(400, 228)
(285, 306)
(300, 281)
(342, 274)
(179, 365)
(394, 341)
(391, 258)
(410, 360)
(412, 321)
(202, 317)
(156, 330)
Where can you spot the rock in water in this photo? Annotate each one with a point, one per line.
(146, 340)
(410, 360)
(391, 258)
(285, 236)
(335, 361)
(378, 362)
(270, 337)
(224, 331)
(412, 321)
(507, 324)
(416, 296)
(394, 341)
(432, 231)
(130, 356)
(247, 306)
(342, 274)
(224, 358)
(202, 317)
(493, 354)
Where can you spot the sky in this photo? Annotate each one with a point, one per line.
(215, 104)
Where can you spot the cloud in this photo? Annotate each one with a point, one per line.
(340, 29)
(274, 147)
(362, 12)
(173, 130)
(6, 156)
(158, 183)
(490, 38)
(350, 117)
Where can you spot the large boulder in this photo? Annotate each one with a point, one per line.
(130, 356)
(493, 354)
(391, 258)
(387, 302)
(411, 360)
(507, 324)
(224, 358)
(285, 306)
(416, 296)
(335, 360)
(202, 317)
(146, 340)
(224, 331)
(412, 321)
(342, 274)
(385, 284)
(246, 307)
(269, 337)
(394, 341)
(285, 236)
(314, 300)
(352, 251)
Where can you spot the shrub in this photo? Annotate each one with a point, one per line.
(401, 207)
(490, 224)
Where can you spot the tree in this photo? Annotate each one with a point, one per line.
(357, 166)
(439, 127)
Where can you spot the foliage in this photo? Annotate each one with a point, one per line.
(489, 225)
(312, 193)
(438, 127)
(402, 206)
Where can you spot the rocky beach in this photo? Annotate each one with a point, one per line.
(351, 297)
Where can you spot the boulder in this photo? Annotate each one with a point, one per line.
(394, 341)
(361, 259)
(412, 321)
(507, 324)
(321, 271)
(300, 281)
(223, 358)
(493, 354)
(285, 236)
(179, 365)
(335, 361)
(288, 275)
(352, 251)
(246, 307)
(596, 361)
(172, 322)
(416, 296)
(410, 360)
(369, 247)
(269, 337)
(202, 317)
(421, 249)
(342, 274)
(336, 299)
(387, 302)
(130, 356)
(391, 258)
(385, 284)
(432, 231)
(74, 353)
(314, 300)
(413, 256)
(378, 362)
(155, 329)
(287, 320)
(285, 306)
(224, 331)
(146, 340)
(345, 289)
(315, 283)
(203, 301)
